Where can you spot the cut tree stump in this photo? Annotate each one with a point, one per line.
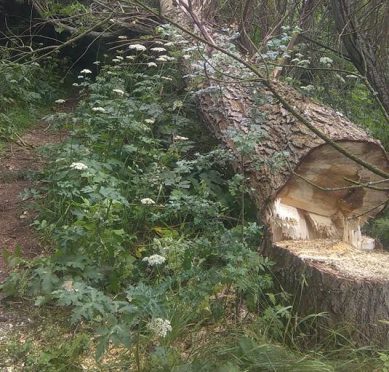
(350, 285)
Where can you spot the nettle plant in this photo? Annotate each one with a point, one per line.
(143, 215)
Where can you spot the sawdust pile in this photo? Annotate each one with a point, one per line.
(342, 258)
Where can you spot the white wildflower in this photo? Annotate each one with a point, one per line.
(152, 64)
(158, 49)
(149, 121)
(80, 76)
(154, 260)
(116, 60)
(119, 57)
(96, 62)
(60, 101)
(85, 71)
(326, 61)
(147, 201)
(75, 84)
(169, 43)
(138, 47)
(162, 59)
(122, 37)
(99, 109)
(118, 91)
(186, 56)
(130, 57)
(78, 166)
(160, 327)
(180, 138)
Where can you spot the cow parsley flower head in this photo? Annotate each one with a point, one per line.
(78, 166)
(99, 109)
(180, 138)
(118, 91)
(60, 101)
(152, 64)
(160, 327)
(147, 201)
(158, 49)
(154, 260)
(326, 60)
(85, 71)
(149, 121)
(138, 47)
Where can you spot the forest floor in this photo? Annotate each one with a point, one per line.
(18, 164)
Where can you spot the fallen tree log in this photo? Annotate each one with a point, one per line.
(313, 173)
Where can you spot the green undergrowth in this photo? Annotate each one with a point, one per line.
(27, 92)
(154, 263)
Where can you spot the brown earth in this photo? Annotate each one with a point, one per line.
(18, 162)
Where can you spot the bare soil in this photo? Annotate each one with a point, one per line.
(342, 258)
(18, 163)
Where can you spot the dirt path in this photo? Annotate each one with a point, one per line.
(17, 166)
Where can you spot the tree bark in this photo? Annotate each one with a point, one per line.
(288, 166)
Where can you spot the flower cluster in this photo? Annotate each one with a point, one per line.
(78, 166)
(118, 91)
(158, 49)
(326, 60)
(154, 260)
(138, 47)
(180, 138)
(99, 109)
(147, 201)
(160, 327)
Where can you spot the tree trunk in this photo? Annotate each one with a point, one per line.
(290, 168)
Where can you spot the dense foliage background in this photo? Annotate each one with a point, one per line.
(153, 262)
